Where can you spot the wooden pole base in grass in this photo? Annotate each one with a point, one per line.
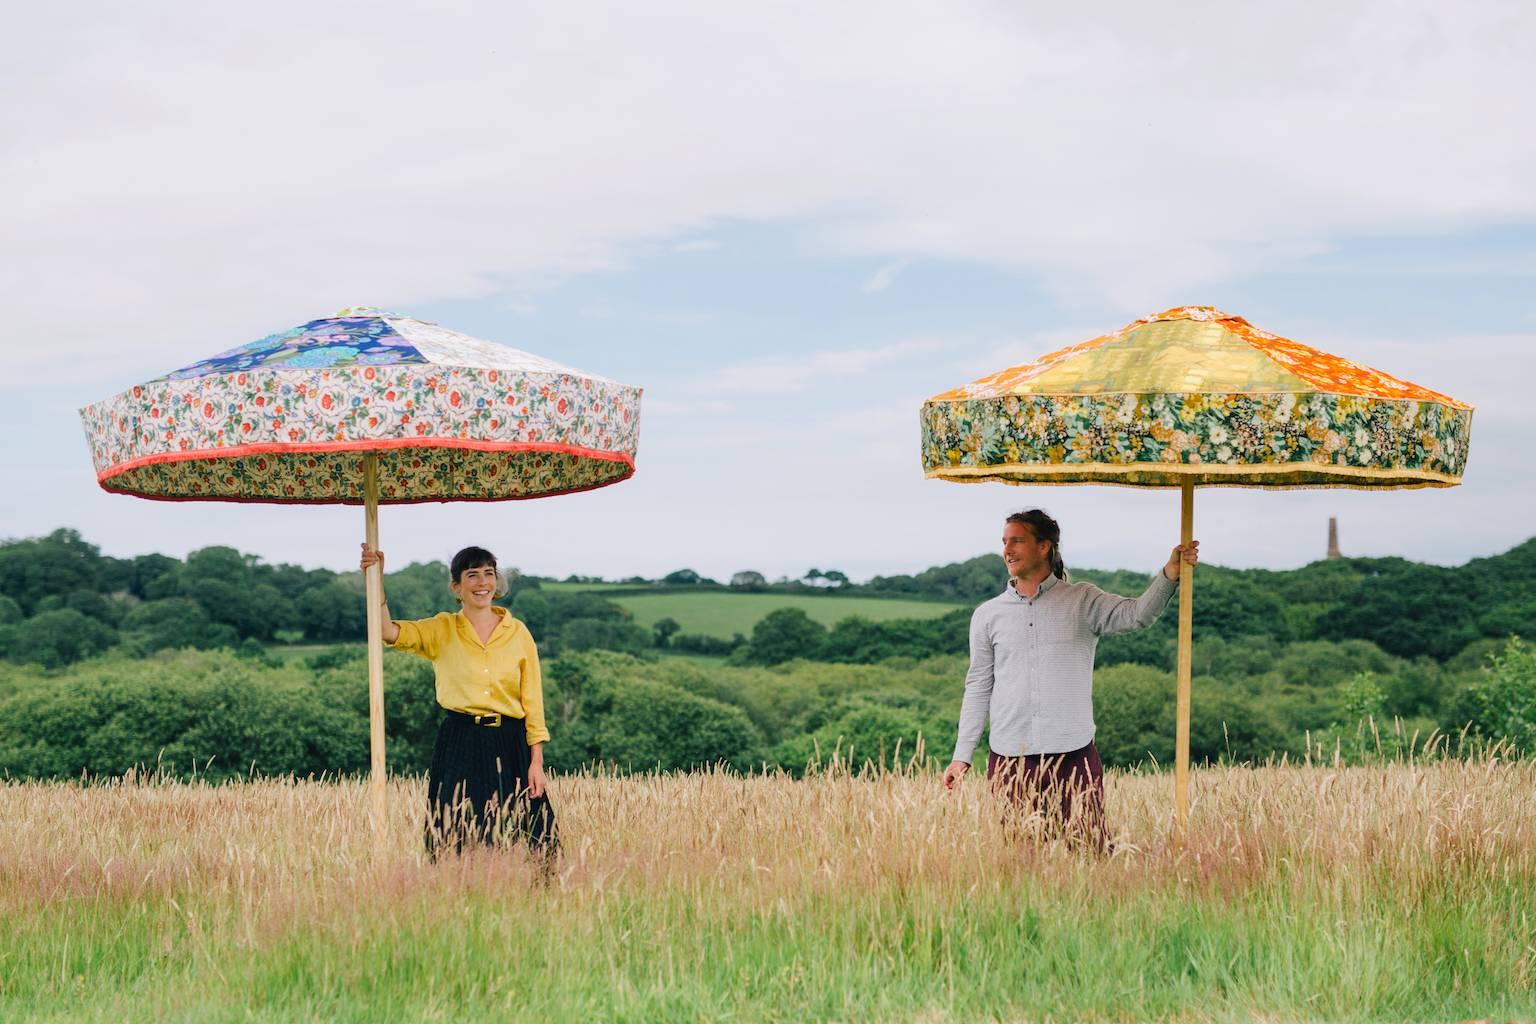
(1186, 628)
(374, 585)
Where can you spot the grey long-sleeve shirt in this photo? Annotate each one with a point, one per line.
(1032, 663)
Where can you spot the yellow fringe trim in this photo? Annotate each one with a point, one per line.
(1174, 474)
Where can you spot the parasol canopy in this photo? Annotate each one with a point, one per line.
(287, 419)
(1196, 395)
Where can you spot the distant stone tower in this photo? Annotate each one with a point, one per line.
(1333, 537)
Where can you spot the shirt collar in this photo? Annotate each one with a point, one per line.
(503, 620)
(1046, 585)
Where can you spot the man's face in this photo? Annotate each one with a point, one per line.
(1022, 553)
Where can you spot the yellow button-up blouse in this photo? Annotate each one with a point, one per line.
(500, 676)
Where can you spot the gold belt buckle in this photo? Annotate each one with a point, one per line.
(493, 720)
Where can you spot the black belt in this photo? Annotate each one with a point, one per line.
(491, 721)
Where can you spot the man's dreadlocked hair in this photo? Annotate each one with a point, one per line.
(1044, 528)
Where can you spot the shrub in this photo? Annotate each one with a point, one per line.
(174, 622)
(606, 634)
(698, 643)
(783, 635)
(1134, 712)
(599, 714)
(1502, 705)
(859, 731)
(208, 711)
(411, 711)
(861, 641)
(57, 638)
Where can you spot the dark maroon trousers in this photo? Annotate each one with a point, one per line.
(1066, 790)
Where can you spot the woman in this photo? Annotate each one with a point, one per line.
(487, 774)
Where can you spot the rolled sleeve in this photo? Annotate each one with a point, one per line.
(531, 695)
(418, 636)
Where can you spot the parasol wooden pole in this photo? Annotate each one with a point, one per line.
(1186, 628)
(374, 584)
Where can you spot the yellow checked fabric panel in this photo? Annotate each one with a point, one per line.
(1168, 357)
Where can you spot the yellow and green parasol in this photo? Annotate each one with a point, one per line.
(1195, 397)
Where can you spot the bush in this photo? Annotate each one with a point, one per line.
(210, 712)
(1225, 725)
(334, 611)
(698, 643)
(599, 711)
(533, 608)
(860, 731)
(1154, 646)
(54, 639)
(94, 604)
(1134, 712)
(750, 580)
(411, 711)
(1502, 706)
(604, 634)
(783, 635)
(175, 622)
(861, 641)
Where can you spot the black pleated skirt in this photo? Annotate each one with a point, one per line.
(477, 788)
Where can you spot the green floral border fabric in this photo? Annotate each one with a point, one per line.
(405, 475)
(1160, 439)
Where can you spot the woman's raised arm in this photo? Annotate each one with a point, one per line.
(391, 632)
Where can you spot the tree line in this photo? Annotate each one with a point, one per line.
(219, 715)
(114, 663)
(61, 601)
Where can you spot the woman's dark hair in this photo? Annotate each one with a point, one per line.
(1047, 529)
(476, 558)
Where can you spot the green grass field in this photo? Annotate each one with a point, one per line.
(298, 652)
(725, 614)
(569, 588)
(1400, 893)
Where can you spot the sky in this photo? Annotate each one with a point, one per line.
(790, 223)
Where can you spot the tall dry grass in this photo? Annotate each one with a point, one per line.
(1289, 882)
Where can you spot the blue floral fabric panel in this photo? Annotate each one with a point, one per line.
(317, 345)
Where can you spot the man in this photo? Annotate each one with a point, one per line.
(1031, 674)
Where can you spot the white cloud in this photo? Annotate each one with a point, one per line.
(178, 178)
(183, 177)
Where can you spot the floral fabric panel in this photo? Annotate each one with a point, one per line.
(1333, 373)
(1159, 439)
(319, 344)
(405, 475)
(275, 426)
(369, 337)
(450, 348)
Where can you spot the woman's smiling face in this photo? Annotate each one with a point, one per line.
(476, 587)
